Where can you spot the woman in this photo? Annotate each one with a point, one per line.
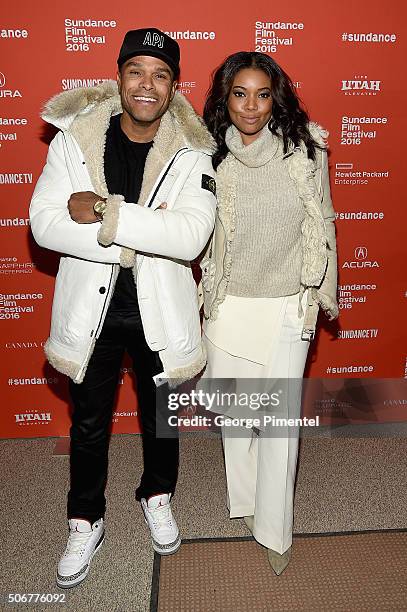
(269, 267)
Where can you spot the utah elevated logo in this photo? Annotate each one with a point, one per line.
(361, 86)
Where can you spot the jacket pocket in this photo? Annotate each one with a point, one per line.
(80, 294)
(178, 292)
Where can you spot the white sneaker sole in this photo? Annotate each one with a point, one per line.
(64, 582)
(169, 549)
(164, 549)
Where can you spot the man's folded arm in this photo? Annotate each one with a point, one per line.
(180, 232)
(51, 224)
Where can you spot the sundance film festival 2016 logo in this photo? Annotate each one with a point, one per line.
(10, 307)
(361, 86)
(352, 294)
(360, 260)
(8, 93)
(33, 417)
(80, 35)
(356, 130)
(270, 35)
(7, 122)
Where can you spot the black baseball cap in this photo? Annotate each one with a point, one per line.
(152, 42)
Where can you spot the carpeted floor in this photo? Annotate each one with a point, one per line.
(234, 574)
(343, 484)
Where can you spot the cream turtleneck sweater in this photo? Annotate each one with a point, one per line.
(267, 243)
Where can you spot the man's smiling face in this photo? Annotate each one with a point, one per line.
(146, 88)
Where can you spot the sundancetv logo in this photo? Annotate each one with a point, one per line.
(358, 334)
(16, 178)
(74, 83)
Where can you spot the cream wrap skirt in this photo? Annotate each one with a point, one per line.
(260, 338)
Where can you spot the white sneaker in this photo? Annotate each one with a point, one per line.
(163, 527)
(84, 540)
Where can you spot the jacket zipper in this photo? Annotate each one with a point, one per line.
(176, 156)
(164, 175)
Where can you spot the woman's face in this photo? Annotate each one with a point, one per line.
(250, 103)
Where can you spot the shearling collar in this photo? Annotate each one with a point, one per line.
(87, 104)
(85, 114)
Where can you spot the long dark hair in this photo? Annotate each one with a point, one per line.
(289, 120)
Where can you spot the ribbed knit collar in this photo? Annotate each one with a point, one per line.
(259, 152)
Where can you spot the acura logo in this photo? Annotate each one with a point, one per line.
(2, 79)
(360, 253)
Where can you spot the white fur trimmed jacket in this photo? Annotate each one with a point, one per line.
(157, 243)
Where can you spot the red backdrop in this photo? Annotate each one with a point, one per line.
(347, 62)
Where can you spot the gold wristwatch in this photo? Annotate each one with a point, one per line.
(99, 208)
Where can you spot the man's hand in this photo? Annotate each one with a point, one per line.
(80, 206)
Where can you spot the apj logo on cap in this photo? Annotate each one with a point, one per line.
(154, 40)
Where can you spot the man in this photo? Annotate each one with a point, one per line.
(124, 282)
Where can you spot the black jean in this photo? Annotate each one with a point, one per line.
(93, 402)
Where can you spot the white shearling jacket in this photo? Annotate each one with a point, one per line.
(157, 243)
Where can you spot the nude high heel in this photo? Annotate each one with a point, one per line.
(278, 562)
